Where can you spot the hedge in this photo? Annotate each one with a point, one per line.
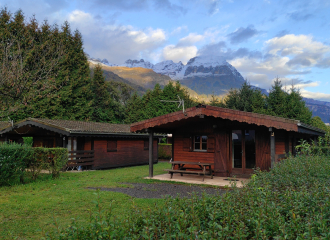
(164, 151)
(16, 160)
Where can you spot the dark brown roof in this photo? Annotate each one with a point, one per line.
(4, 124)
(68, 127)
(84, 127)
(224, 113)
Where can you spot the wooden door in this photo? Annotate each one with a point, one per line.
(221, 156)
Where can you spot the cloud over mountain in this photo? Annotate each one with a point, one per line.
(242, 34)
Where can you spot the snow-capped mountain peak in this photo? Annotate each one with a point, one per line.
(138, 63)
(200, 66)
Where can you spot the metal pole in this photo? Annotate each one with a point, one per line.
(151, 166)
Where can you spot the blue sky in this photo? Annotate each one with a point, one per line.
(261, 38)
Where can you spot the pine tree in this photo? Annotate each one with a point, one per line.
(28, 55)
(296, 107)
(317, 122)
(246, 99)
(277, 100)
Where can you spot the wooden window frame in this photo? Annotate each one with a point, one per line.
(200, 143)
(111, 149)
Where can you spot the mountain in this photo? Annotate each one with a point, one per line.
(202, 75)
(205, 75)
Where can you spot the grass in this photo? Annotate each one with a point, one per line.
(28, 210)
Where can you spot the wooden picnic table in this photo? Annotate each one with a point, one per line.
(198, 168)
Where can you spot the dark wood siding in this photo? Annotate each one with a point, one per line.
(221, 156)
(263, 149)
(129, 152)
(280, 142)
(180, 154)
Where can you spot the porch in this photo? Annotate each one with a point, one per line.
(195, 179)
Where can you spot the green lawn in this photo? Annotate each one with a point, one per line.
(27, 210)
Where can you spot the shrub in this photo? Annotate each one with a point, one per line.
(164, 151)
(28, 141)
(14, 159)
(58, 161)
(52, 159)
(290, 201)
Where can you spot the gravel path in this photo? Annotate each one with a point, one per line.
(160, 190)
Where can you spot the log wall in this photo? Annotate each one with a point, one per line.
(129, 152)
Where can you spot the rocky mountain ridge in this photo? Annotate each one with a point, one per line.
(208, 75)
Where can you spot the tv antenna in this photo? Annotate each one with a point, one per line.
(180, 101)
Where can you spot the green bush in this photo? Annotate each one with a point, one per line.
(291, 201)
(14, 159)
(28, 141)
(59, 159)
(164, 151)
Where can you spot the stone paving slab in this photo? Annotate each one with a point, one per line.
(195, 179)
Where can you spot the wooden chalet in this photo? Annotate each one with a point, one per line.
(234, 142)
(93, 144)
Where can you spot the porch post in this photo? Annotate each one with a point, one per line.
(64, 142)
(272, 147)
(151, 166)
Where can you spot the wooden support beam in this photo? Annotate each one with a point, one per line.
(151, 163)
(64, 142)
(272, 147)
(294, 144)
(172, 147)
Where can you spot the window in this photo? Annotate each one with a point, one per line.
(112, 146)
(200, 143)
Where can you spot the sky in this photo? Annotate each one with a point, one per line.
(262, 39)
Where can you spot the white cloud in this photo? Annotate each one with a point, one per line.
(177, 53)
(289, 57)
(190, 39)
(302, 50)
(179, 30)
(315, 95)
(114, 42)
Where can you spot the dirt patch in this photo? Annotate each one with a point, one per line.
(160, 190)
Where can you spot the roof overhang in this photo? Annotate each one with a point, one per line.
(68, 132)
(26, 122)
(157, 123)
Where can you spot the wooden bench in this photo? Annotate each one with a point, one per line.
(200, 168)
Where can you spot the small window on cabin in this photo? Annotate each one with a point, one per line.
(112, 146)
(146, 145)
(200, 143)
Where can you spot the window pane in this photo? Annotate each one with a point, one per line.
(204, 147)
(197, 146)
(197, 138)
(237, 148)
(204, 139)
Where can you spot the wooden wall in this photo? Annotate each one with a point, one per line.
(129, 152)
(221, 155)
(263, 160)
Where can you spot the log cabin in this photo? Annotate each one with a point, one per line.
(234, 142)
(100, 145)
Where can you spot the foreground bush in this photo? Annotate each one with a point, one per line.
(291, 201)
(13, 162)
(15, 159)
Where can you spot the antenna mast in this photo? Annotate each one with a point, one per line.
(180, 101)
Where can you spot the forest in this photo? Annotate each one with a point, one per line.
(46, 74)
